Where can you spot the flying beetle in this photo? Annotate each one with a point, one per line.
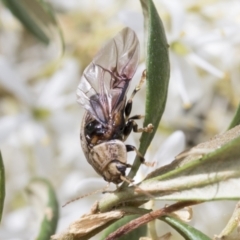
(102, 92)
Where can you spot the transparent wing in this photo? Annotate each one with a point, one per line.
(104, 84)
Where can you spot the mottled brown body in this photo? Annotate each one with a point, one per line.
(102, 92)
(106, 152)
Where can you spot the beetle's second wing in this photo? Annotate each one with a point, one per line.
(103, 86)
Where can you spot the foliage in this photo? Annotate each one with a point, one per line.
(209, 171)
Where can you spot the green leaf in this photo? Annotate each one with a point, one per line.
(236, 118)
(2, 186)
(188, 232)
(43, 196)
(36, 16)
(158, 73)
(135, 234)
(209, 171)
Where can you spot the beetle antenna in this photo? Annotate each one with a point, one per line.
(88, 194)
(136, 187)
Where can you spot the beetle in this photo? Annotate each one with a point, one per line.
(102, 92)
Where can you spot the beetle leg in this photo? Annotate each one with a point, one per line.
(129, 125)
(148, 128)
(141, 158)
(136, 117)
(132, 148)
(132, 125)
(127, 130)
(128, 107)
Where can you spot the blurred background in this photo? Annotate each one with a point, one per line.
(40, 118)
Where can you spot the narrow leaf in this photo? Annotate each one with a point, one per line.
(43, 195)
(2, 186)
(209, 171)
(236, 118)
(24, 15)
(37, 17)
(188, 232)
(158, 72)
(135, 234)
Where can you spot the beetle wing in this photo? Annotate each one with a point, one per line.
(103, 86)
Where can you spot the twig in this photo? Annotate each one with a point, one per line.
(149, 217)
